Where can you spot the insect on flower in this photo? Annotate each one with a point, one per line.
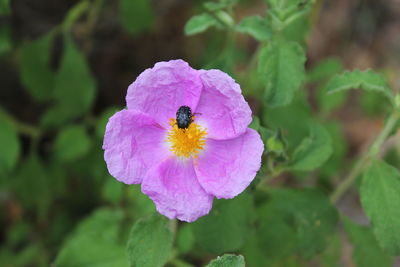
(181, 160)
(184, 117)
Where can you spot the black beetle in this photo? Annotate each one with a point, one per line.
(184, 117)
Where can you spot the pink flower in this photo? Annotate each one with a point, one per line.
(183, 169)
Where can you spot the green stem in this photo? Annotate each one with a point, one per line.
(363, 162)
(27, 129)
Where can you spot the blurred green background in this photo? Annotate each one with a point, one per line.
(64, 69)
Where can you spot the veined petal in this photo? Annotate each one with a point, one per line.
(222, 110)
(133, 143)
(174, 188)
(161, 90)
(227, 167)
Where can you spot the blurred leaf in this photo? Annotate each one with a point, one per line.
(313, 150)
(374, 103)
(331, 256)
(293, 130)
(71, 143)
(75, 13)
(296, 28)
(95, 242)
(214, 6)
(256, 26)
(74, 85)
(9, 145)
(150, 242)
(136, 16)
(366, 80)
(380, 199)
(366, 251)
(185, 238)
(5, 39)
(103, 119)
(112, 190)
(17, 233)
(275, 236)
(227, 226)
(31, 186)
(141, 204)
(331, 102)
(334, 164)
(255, 123)
(276, 144)
(290, 19)
(199, 23)
(281, 69)
(56, 116)
(325, 69)
(5, 7)
(225, 19)
(30, 255)
(229, 2)
(228, 260)
(253, 252)
(292, 219)
(288, 5)
(36, 74)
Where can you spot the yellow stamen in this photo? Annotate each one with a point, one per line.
(186, 142)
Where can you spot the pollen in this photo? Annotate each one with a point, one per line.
(186, 142)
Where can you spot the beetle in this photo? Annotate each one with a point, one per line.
(184, 117)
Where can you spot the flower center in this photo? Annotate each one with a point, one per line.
(186, 142)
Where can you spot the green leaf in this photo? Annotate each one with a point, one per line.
(253, 252)
(331, 256)
(282, 118)
(56, 116)
(75, 13)
(214, 6)
(199, 23)
(331, 102)
(332, 167)
(228, 260)
(112, 190)
(5, 7)
(366, 250)
(95, 242)
(185, 238)
(255, 123)
(102, 121)
(142, 205)
(5, 39)
(366, 80)
(296, 220)
(136, 16)
(74, 84)
(10, 146)
(31, 186)
(380, 199)
(227, 226)
(36, 74)
(325, 69)
(290, 19)
(281, 70)
(150, 242)
(256, 26)
(313, 151)
(71, 143)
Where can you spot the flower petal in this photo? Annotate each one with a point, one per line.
(133, 143)
(174, 188)
(160, 91)
(222, 108)
(227, 167)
